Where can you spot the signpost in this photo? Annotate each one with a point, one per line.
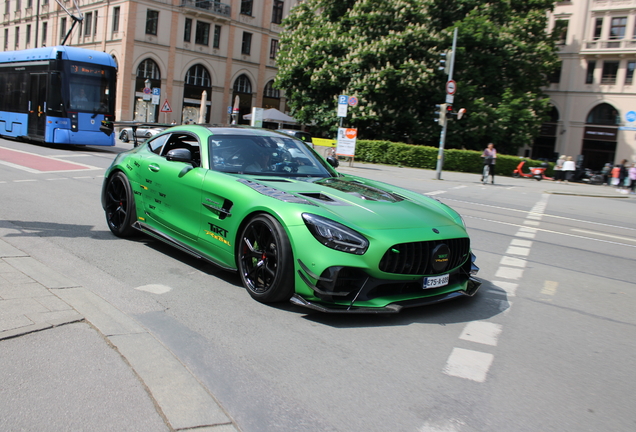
(451, 87)
(156, 94)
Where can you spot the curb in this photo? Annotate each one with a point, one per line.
(179, 397)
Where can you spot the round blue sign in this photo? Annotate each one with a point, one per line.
(631, 116)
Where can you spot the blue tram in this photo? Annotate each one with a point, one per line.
(58, 95)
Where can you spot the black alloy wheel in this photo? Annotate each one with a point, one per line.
(265, 260)
(120, 205)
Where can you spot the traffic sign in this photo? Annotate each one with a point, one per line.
(451, 87)
(353, 101)
(343, 100)
(156, 91)
(166, 107)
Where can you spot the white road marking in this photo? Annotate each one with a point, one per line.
(550, 231)
(529, 222)
(20, 167)
(545, 215)
(435, 192)
(509, 287)
(525, 235)
(26, 180)
(603, 235)
(459, 187)
(481, 332)
(522, 243)
(509, 273)
(514, 250)
(154, 288)
(513, 262)
(468, 364)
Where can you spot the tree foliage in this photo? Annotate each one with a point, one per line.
(386, 53)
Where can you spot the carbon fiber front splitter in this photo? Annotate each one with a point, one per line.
(473, 287)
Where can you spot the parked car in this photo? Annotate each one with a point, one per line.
(265, 205)
(142, 132)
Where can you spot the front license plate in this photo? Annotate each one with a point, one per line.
(435, 281)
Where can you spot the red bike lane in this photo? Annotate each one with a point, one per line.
(39, 163)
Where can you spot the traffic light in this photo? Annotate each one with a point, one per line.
(449, 111)
(446, 61)
(442, 62)
(441, 113)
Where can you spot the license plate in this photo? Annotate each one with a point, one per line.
(435, 281)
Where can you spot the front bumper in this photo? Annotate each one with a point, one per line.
(352, 290)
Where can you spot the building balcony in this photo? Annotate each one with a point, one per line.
(614, 46)
(214, 7)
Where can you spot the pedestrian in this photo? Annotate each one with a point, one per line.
(490, 157)
(568, 168)
(622, 174)
(606, 171)
(558, 169)
(615, 172)
(632, 177)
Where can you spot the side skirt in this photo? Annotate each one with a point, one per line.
(179, 245)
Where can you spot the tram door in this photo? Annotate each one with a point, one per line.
(37, 112)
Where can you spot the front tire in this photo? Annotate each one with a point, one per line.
(120, 205)
(265, 260)
(124, 136)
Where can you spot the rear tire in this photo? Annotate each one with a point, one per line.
(120, 206)
(265, 260)
(124, 136)
(515, 174)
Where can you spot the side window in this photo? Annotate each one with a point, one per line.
(184, 141)
(156, 144)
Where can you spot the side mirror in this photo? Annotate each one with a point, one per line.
(333, 161)
(179, 155)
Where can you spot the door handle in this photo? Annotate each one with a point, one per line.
(154, 168)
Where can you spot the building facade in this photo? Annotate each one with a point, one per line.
(594, 93)
(186, 51)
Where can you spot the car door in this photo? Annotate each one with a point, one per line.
(172, 190)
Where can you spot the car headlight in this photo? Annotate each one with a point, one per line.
(335, 235)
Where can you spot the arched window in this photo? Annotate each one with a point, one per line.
(145, 110)
(148, 69)
(603, 114)
(270, 91)
(271, 96)
(198, 75)
(243, 85)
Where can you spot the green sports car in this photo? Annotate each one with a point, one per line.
(266, 205)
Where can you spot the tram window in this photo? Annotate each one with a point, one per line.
(54, 104)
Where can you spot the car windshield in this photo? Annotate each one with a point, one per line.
(265, 155)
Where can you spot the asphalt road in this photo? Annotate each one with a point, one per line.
(548, 344)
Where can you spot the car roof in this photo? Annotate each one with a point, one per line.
(229, 130)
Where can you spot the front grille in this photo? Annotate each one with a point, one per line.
(415, 258)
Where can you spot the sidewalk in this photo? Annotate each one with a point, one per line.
(71, 361)
(546, 186)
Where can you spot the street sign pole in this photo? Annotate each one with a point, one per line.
(442, 136)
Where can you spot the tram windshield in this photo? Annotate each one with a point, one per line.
(91, 89)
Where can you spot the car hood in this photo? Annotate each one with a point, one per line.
(360, 203)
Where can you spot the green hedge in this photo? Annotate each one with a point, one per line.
(418, 156)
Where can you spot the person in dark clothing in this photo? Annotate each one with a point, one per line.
(622, 174)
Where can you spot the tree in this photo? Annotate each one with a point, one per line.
(387, 54)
